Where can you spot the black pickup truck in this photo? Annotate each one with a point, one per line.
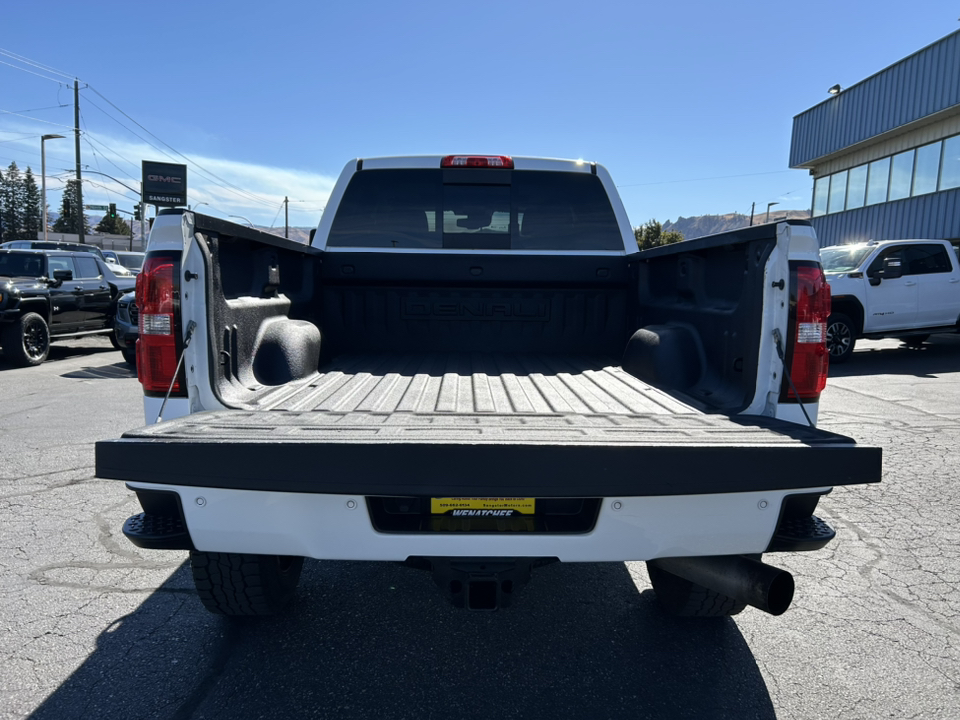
(47, 295)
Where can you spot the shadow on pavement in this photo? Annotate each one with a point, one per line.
(940, 354)
(66, 349)
(114, 371)
(376, 640)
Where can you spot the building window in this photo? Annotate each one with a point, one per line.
(856, 187)
(927, 168)
(821, 187)
(838, 192)
(950, 172)
(901, 172)
(877, 181)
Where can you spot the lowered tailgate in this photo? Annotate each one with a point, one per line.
(483, 427)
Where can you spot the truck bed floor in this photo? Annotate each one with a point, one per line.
(468, 384)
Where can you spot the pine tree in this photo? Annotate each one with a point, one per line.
(651, 235)
(112, 226)
(70, 211)
(32, 220)
(11, 198)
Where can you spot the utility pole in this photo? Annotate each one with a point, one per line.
(143, 219)
(752, 206)
(286, 217)
(76, 134)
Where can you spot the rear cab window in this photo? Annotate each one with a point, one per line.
(475, 209)
(87, 266)
(61, 262)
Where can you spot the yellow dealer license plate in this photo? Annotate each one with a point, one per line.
(482, 507)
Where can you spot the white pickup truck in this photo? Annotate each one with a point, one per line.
(473, 370)
(906, 289)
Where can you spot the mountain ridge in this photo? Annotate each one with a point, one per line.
(702, 225)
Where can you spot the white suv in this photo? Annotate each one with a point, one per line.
(906, 289)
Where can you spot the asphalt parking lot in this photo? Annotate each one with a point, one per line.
(94, 627)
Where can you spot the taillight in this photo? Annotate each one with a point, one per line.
(477, 161)
(810, 359)
(157, 348)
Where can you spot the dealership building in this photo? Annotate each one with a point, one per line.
(885, 153)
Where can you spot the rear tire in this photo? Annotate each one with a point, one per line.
(841, 337)
(129, 356)
(245, 585)
(682, 598)
(915, 341)
(26, 341)
(115, 341)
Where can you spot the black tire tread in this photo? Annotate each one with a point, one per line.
(682, 598)
(11, 339)
(244, 585)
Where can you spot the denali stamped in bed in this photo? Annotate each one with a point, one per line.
(473, 370)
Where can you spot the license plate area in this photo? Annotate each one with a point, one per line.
(408, 514)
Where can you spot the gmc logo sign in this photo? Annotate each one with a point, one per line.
(164, 184)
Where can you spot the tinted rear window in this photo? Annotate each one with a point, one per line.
(477, 209)
(17, 265)
(87, 267)
(131, 260)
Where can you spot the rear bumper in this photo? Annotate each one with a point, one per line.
(338, 527)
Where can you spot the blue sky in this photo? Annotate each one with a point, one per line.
(688, 104)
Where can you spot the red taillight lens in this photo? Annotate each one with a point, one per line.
(477, 161)
(157, 346)
(810, 357)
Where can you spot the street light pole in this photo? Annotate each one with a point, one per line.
(244, 219)
(769, 205)
(43, 173)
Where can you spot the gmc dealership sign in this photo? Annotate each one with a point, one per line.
(164, 184)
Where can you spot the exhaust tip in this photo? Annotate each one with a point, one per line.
(780, 594)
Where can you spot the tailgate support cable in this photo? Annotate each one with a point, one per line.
(778, 339)
(186, 343)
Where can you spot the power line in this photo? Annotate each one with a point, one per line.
(11, 112)
(49, 156)
(277, 215)
(110, 190)
(95, 158)
(87, 139)
(203, 172)
(139, 137)
(28, 61)
(15, 67)
(49, 107)
(23, 137)
(240, 190)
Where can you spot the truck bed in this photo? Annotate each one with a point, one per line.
(481, 425)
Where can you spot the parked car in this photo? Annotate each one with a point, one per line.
(906, 289)
(115, 266)
(132, 261)
(125, 328)
(46, 295)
